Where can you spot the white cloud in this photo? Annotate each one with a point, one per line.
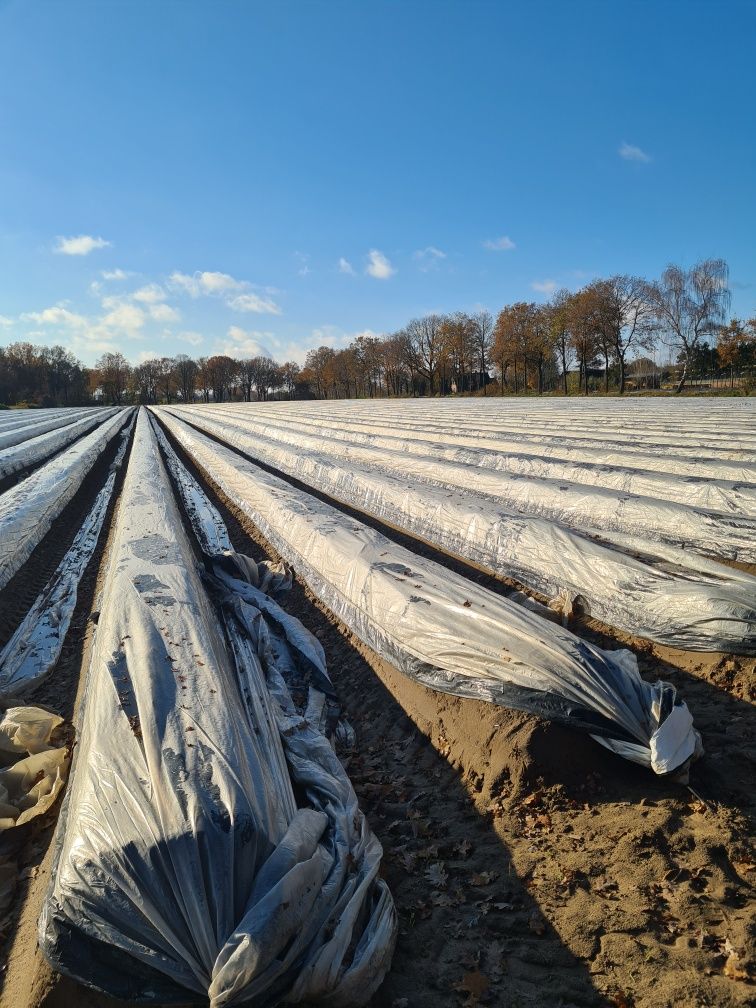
(254, 303)
(80, 245)
(164, 313)
(192, 338)
(629, 152)
(379, 266)
(544, 286)
(246, 343)
(121, 315)
(345, 267)
(206, 282)
(427, 259)
(503, 244)
(57, 315)
(116, 274)
(5, 321)
(149, 294)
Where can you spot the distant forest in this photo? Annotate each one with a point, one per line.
(597, 339)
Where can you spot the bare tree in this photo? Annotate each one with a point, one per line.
(559, 322)
(482, 334)
(425, 345)
(185, 376)
(691, 304)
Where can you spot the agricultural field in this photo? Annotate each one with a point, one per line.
(407, 703)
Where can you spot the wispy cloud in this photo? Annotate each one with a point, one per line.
(254, 303)
(629, 152)
(235, 293)
(346, 267)
(5, 321)
(378, 266)
(55, 316)
(149, 294)
(246, 343)
(503, 244)
(80, 245)
(206, 282)
(427, 259)
(544, 286)
(116, 274)
(303, 258)
(164, 313)
(190, 337)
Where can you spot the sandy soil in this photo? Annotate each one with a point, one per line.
(529, 866)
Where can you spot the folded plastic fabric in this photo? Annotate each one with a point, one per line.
(211, 845)
(680, 600)
(445, 631)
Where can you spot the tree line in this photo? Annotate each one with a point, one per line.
(586, 339)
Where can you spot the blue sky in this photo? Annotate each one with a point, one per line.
(208, 177)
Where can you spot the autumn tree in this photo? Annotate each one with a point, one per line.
(558, 315)
(584, 323)
(113, 371)
(736, 346)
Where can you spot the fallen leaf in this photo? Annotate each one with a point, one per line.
(474, 985)
(536, 923)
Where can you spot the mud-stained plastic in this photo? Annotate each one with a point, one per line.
(28, 509)
(211, 845)
(665, 595)
(440, 628)
(33, 651)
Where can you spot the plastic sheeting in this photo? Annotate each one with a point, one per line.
(33, 651)
(211, 844)
(31, 452)
(28, 509)
(669, 602)
(401, 422)
(445, 631)
(33, 771)
(593, 509)
(727, 496)
(24, 432)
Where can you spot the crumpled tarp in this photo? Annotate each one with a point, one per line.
(445, 631)
(682, 602)
(32, 772)
(29, 452)
(33, 651)
(28, 509)
(211, 844)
